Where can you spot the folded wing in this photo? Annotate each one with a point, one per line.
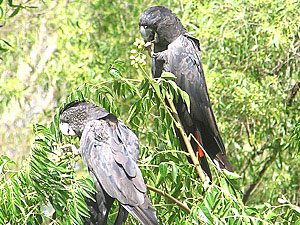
(110, 150)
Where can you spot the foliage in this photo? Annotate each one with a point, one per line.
(8, 10)
(56, 48)
(46, 182)
(163, 165)
(250, 52)
(258, 38)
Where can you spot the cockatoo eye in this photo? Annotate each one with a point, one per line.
(147, 33)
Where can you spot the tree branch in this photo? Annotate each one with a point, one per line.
(251, 158)
(170, 197)
(252, 187)
(292, 95)
(178, 124)
(186, 140)
(245, 166)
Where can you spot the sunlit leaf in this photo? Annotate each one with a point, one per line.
(15, 12)
(163, 168)
(174, 172)
(168, 76)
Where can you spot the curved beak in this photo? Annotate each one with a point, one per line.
(147, 33)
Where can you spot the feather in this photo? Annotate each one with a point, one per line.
(178, 52)
(108, 157)
(110, 150)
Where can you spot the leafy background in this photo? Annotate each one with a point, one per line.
(51, 49)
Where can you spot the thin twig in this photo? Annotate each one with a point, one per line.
(248, 131)
(251, 158)
(178, 124)
(252, 187)
(177, 202)
(293, 94)
(245, 166)
(186, 140)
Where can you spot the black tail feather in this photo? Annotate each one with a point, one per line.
(145, 214)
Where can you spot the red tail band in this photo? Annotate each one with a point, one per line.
(200, 151)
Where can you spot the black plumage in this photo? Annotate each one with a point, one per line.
(178, 52)
(110, 150)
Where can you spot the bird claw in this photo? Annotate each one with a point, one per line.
(148, 45)
(154, 55)
(71, 148)
(160, 56)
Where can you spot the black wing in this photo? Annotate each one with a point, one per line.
(183, 60)
(110, 151)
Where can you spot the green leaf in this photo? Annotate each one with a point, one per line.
(155, 85)
(145, 89)
(231, 175)
(82, 208)
(79, 94)
(186, 99)
(270, 215)
(173, 85)
(15, 12)
(174, 172)
(205, 215)
(52, 128)
(168, 76)
(115, 73)
(1, 11)
(87, 92)
(3, 49)
(163, 169)
(296, 208)
(156, 122)
(162, 113)
(72, 97)
(7, 43)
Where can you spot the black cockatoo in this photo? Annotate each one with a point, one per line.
(178, 52)
(110, 150)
